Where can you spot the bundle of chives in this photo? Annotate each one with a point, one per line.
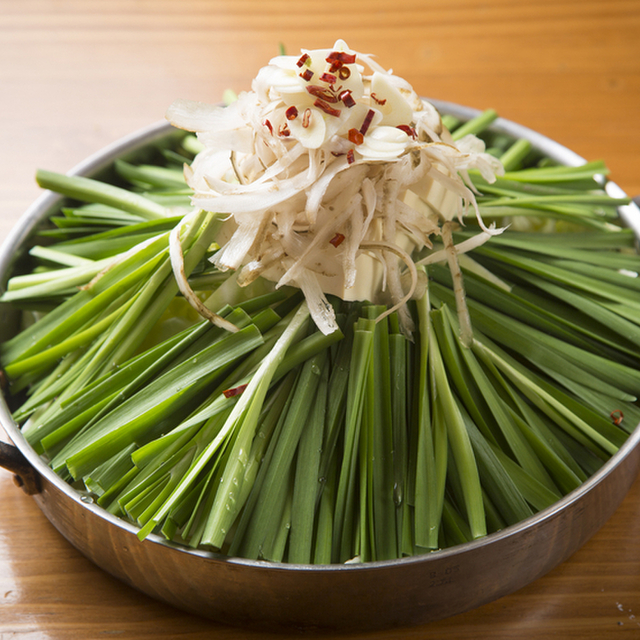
(280, 443)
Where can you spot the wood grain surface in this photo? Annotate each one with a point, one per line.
(76, 75)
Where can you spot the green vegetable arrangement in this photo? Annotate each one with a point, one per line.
(254, 433)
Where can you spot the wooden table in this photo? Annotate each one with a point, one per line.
(76, 75)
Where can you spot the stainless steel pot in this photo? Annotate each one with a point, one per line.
(369, 596)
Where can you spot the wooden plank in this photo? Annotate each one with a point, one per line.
(75, 76)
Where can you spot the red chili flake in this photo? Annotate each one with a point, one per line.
(306, 118)
(344, 73)
(377, 100)
(351, 158)
(335, 65)
(355, 136)
(267, 124)
(337, 240)
(307, 74)
(327, 108)
(236, 391)
(323, 93)
(284, 130)
(410, 131)
(4, 382)
(617, 416)
(367, 122)
(343, 56)
(291, 113)
(347, 98)
(328, 77)
(303, 59)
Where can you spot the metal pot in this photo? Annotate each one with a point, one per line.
(361, 597)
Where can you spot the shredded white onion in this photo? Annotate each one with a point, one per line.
(177, 264)
(332, 176)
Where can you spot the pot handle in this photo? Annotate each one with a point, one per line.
(25, 476)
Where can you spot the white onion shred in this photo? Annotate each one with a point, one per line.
(334, 173)
(177, 264)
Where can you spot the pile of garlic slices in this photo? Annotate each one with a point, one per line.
(333, 173)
